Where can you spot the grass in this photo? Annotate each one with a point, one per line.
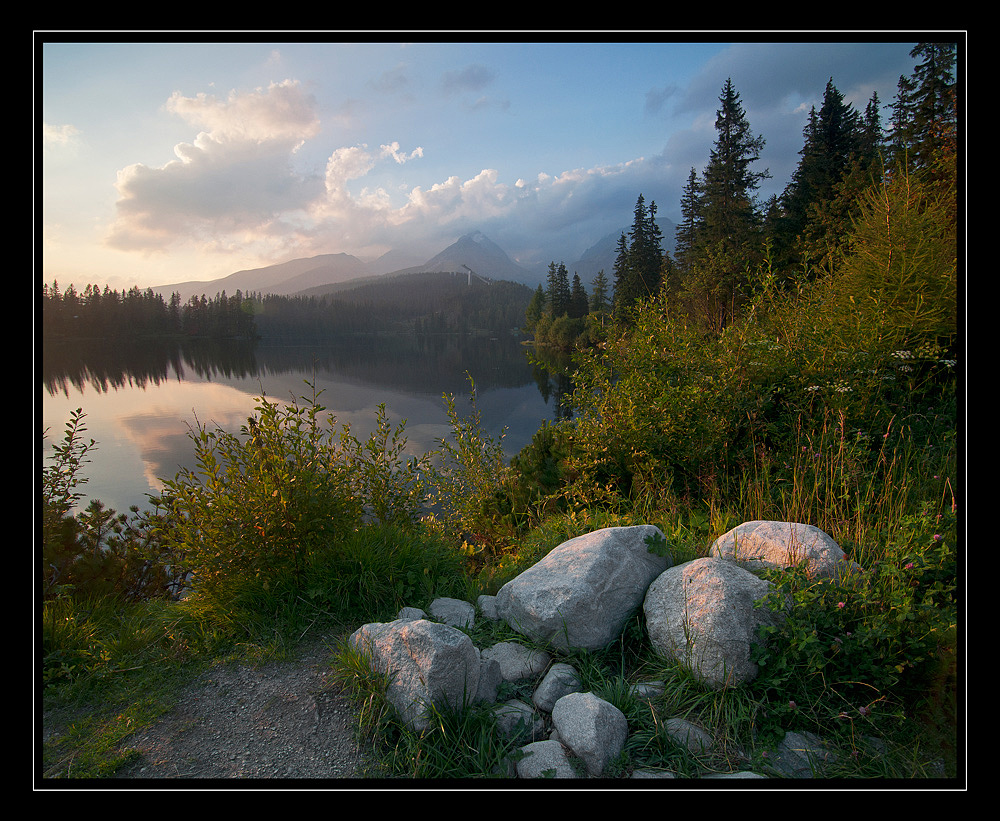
(130, 662)
(111, 667)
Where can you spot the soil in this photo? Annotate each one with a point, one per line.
(282, 720)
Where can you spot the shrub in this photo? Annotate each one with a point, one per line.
(876, 639)
(95, 551)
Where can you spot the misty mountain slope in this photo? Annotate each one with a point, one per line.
(284, 278)
(478, 252)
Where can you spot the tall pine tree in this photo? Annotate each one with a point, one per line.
(925, 114)
(726, 234)
(639, 263)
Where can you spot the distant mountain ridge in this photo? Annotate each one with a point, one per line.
(332, 272)
(283, 279)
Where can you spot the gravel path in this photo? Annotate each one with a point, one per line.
(283, 720)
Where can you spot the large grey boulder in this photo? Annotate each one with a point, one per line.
(702, 614)
(429, 665)
(594, 729)
(782, 545)
(581, 594)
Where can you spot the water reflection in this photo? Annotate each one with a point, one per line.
(139, 400)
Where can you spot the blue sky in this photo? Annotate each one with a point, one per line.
(161, 162)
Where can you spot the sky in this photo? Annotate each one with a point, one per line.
(161, 162)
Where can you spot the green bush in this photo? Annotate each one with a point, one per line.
(94, 552)
(877, 639)
(263, 503)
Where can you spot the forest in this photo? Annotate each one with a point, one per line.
(795, 360)
(422, 302)
(731, 248)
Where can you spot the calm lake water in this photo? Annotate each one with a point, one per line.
(139, 400)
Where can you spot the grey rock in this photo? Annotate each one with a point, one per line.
(560, 680)
(488, 607)
(519, 721)
(454, 612)
(429, 664)
(545, 759)
(594, 729)
(581, 594)
(801, 755)
(702, 614)
(516, 661)
(688, 735)
(782, 545)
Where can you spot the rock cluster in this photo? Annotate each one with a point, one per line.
(700, 613)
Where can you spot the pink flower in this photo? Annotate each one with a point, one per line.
(908, 566)
(841, 604)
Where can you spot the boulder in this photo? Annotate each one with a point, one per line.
(544, 759)
(559, 681)
(516, 661)
(429, 665)
(781, 545)
(702, 614)
(455, 612)
(581, 594)
(594, 729)
(518, 721)
(693, 738)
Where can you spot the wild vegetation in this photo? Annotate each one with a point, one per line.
(798, 360)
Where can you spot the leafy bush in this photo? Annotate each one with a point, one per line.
(258, 505)
(876, 639)
(95, 551)
(470, 484)
(263, 503)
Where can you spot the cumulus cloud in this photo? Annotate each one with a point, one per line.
(235, 185)
(58, 135)
(235, 177)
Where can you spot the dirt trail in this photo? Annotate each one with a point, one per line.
(283, 720)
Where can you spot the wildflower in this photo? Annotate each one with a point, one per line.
(841, 605)
(792, 705)
(908, 566)
(938, 537)
(863, 710)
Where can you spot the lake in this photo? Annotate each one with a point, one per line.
(139, 399)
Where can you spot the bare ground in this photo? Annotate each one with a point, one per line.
(283, 720)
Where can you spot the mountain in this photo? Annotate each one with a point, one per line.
(475, 251)
(285, 278)
(332, 272)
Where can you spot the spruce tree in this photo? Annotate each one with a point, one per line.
(687, 231)
(579, 304)
(599, 303)
(558, 290)
(727, 236)
(534, 310)
(727, 204)
(638, 265)
(925, 116)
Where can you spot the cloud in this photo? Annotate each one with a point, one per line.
(58, 135)
(235, 185)
(236, 177)
(471, 78)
